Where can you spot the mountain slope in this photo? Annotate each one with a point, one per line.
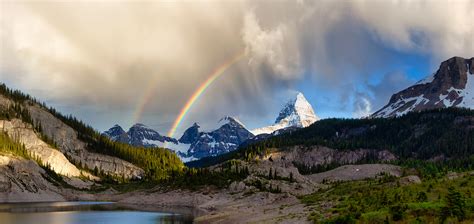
(116, 133)
(141, 135)
(190, 135)
(226, 138)
(451, 86)
(296, 113)
(78, 143)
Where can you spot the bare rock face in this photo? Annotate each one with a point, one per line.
(236, 187)
(320, 155)
(451, 86)
(24, 133)
(282, 164)
(23, 181)
(67, 140)
(410, 180)
(356, 172)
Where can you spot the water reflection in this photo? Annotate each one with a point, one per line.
(89, 212)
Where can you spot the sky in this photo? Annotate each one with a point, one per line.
(121, 62)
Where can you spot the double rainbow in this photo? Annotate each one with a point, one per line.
(216, 73)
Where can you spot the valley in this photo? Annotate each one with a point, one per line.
(412, 164)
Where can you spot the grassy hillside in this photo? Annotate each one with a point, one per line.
(388, 200)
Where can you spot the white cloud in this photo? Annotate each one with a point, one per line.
(274, 47)
(362, 107)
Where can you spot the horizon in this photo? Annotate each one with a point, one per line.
(117, 66)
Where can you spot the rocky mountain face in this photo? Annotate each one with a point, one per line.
(193, 144)
(190, 135)
(140, 134)
(70, 150)
(451, 86)
(296, 113)
(116, 133)
(23, 180)
(76, 150)
(24, 134)
(226, 138)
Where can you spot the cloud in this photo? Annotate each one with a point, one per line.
(423, 26)
(362, 105)
(275, 48)
(390, 84)
(105, 54)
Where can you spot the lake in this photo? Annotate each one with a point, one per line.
(90, 213)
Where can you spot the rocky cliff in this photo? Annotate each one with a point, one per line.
(71, 150)
(452, 85)
(23, 133)
(24, 181)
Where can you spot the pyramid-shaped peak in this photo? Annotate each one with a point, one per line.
(139, 125)
(115, 130)
(298, 111)
(230, 120)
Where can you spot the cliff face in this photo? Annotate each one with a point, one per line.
(24, 133)
(68, 143)
(452, 85)
(70, 148)
(23, 180)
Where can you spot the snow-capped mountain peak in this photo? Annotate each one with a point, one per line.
(298, 112)
(116, 133)
(231, 121)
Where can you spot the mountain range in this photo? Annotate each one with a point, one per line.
(196, 144)
(452, 85)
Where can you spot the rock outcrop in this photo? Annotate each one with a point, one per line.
(68, 143)
(24, 134)
(356, 172)
(320, 155)
(24, 181)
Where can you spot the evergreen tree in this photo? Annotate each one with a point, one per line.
(454, 207)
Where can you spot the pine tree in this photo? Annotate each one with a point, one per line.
(454, 207)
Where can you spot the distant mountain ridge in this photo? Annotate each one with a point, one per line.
(452, 85)
(193, 144)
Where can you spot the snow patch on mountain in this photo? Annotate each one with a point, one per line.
(467, 93)
(230, 120)
(426, 80)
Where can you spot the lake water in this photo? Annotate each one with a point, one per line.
(89, 213)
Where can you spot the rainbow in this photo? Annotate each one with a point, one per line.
(202, 88)
(152, 86)
(148, 94)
